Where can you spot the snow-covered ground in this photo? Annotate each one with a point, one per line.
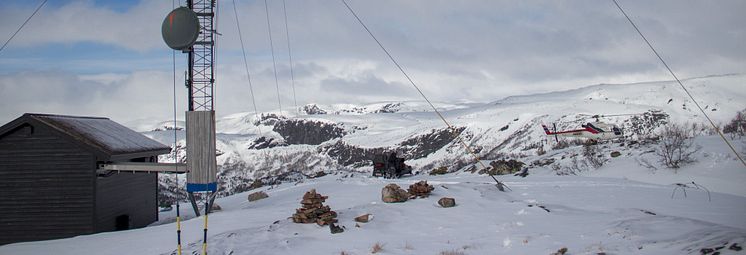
(587, 215)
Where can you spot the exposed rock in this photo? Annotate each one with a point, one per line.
(735, 247)
(561, 251)
(415, 147)
(319, 174)
(615, 154)
(269, 119)
(706, 250)
(299, 131)
(216, 207)
(500, 167)
(644, 125)
(422, 145)
(312, 109)
(256, 184)
(335, 229)
(392, 193)
(447, 202)
(439, 171)
(543, 162)
(420, 189)
(363, 218)
(257, 196)
(314, 211)
(389, 108)
(264, 143)
(350, 155)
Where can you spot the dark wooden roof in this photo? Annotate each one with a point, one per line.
(100, 135)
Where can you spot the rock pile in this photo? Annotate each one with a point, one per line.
(314, 211)
(420, 189)
(392, 193)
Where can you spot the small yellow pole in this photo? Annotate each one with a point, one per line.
(204, 238)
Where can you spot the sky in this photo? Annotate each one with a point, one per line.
(107, 58)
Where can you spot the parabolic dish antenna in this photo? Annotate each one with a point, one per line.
(180, 28)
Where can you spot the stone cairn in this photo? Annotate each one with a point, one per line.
(420, 189)
(314, 211)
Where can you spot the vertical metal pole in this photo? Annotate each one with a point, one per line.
(190, 68)
(190, 81)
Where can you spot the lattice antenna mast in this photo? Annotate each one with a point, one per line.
(200, 80)
(191, 29)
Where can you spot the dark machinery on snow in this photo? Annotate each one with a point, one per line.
(390, 166)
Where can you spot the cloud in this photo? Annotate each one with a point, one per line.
(455, 51)
(121, 97)
(137, 28)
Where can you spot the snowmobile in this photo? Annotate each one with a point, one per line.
(390, 166)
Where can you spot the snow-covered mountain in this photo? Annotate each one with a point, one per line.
(276, 146)
(609, 198)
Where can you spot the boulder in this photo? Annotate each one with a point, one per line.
(216, 207)
(257, 196)
(561, 251)
(439, 171)
(363, 218)
(420, 189)
(392, 193)
(335, 229)
(447, 202)
(615, 154)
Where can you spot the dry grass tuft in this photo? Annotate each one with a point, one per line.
(408, 246)
(376, 248)
(451, 252)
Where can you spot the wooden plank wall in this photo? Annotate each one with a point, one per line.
(46, 187)
(132, 194)
(201, 160)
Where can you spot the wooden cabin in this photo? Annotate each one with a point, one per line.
(50, 186)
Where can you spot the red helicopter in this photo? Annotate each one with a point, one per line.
(592, 130)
